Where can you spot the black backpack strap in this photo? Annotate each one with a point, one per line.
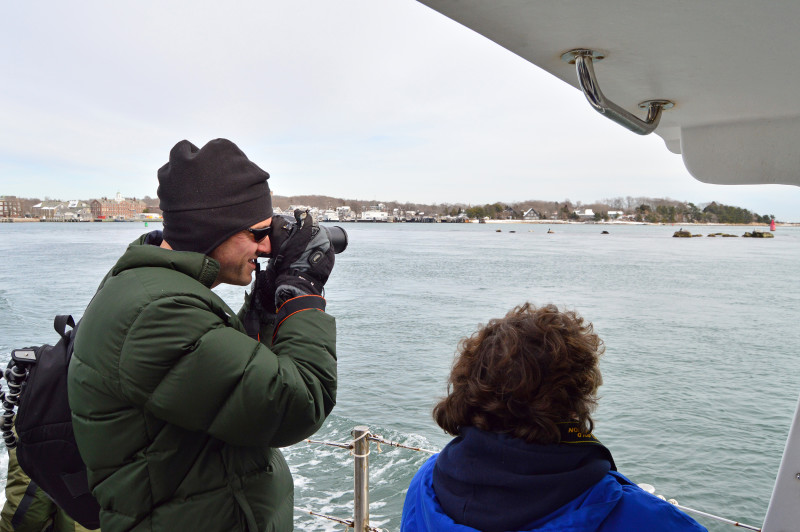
(24, 504)
(60, 325)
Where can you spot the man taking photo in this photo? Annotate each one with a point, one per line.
(177, 411)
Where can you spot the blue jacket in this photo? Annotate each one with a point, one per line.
(613, 503)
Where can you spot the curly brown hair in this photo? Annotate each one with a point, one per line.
(524, 373)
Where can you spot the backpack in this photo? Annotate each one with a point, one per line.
(46, 447)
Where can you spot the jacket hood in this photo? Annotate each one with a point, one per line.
(589, 512)
(495, 483)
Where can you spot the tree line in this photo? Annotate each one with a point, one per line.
(641, 209)
(651, 210)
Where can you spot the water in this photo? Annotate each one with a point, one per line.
(701, 343)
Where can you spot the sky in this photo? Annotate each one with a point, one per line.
(364, 99)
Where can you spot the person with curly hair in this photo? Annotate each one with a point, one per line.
(519, 403)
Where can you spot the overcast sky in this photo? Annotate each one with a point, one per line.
(365, 99)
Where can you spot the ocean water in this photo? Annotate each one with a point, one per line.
(700, 370)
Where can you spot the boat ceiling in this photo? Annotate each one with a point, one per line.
(730, 67)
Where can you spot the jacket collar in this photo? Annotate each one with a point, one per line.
(145, 252)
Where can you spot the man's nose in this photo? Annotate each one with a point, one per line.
(265, 246)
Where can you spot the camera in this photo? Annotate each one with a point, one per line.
(285, 225)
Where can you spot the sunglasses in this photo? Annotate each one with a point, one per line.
(260, 234)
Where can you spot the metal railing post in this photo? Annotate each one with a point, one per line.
(361, 479)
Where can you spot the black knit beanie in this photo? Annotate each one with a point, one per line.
(209, 194)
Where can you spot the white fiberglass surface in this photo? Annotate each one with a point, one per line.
(723, 63)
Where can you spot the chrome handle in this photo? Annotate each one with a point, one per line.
(583, 60)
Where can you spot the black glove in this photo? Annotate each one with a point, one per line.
(289, 240)
(310, 278)
(261, 303)
(291, 286)
(301, 271)
(263, 295)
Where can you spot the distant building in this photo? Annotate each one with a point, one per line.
(460, 218)
(329, 215)
(74, 211)
(507, 214)
(531, 214)
(63, 211)
(46, 209)
(586, 214)
(10, 207)
(615, 214)
(374, 216)
(375, 213)
(345, 214)
(117, 208)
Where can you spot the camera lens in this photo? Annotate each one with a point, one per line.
(338, 238)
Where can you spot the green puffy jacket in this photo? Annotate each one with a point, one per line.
(177, 412)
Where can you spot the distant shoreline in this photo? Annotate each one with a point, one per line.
(33, 220)
(539, 222)
(676, 224)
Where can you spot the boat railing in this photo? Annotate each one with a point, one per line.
(651, 490)
(360, 449)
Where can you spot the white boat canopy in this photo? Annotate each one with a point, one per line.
(728, 66)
